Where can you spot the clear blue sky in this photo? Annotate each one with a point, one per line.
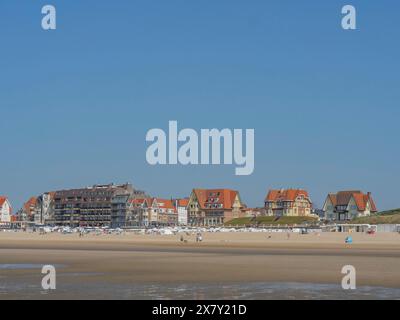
(76, 103)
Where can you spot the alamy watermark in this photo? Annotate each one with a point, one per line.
(49, 280)
(187, 148)
(349, 20)
(49, 20)
(349, 280)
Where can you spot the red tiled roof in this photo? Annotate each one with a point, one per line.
(165, 204)
(285, 195)
(342, 198)
(162, 203)
(137, 201)
(226, 197)
(52, 194)
(141, 201)
(183, 202)
(361, 202)
(372, 203)
(29, 204)
(2, 200)
(333, 198)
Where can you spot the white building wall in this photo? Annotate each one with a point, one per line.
(5, 212)
(182, 216)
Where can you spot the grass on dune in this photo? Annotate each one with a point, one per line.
(386, 217)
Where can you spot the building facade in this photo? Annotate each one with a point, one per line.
(254, 212)
(100, 205)
(5, 210)
(44, 213)
(28, 211)
(38, 210)
(288, 202)
(347, 205)
(141, 209)
(181, 209)
(166, 213)
(121, 211)
(214, 207)
(162, 213)
(152, 212)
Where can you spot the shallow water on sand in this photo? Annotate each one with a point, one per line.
(24, 266)
(20, 266)
(191, 291)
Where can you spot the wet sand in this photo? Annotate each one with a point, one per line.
(223, 258)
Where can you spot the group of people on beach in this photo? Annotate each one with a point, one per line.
(199, 237)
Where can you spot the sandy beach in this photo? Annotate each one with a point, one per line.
(109, 266)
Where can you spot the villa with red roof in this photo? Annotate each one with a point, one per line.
(347, 205)
(5, 210)
(166, 213)
(288, 202)
(212, 207)
(29, 210)
(155, 211)
(38, 209)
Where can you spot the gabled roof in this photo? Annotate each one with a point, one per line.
(159, 202)
(226, 197)
(165, 203)
(142, 201)
(371, 202)
(332, 197)
(2, 200)
(182, 202)
(342, 198)
(29, 204)
(52, 194)
(285, 195)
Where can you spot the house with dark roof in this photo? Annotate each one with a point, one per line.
(288, 202)
(347, 205)
(213, 207)
(5, 210)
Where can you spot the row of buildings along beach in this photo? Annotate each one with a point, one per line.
(123, 206)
